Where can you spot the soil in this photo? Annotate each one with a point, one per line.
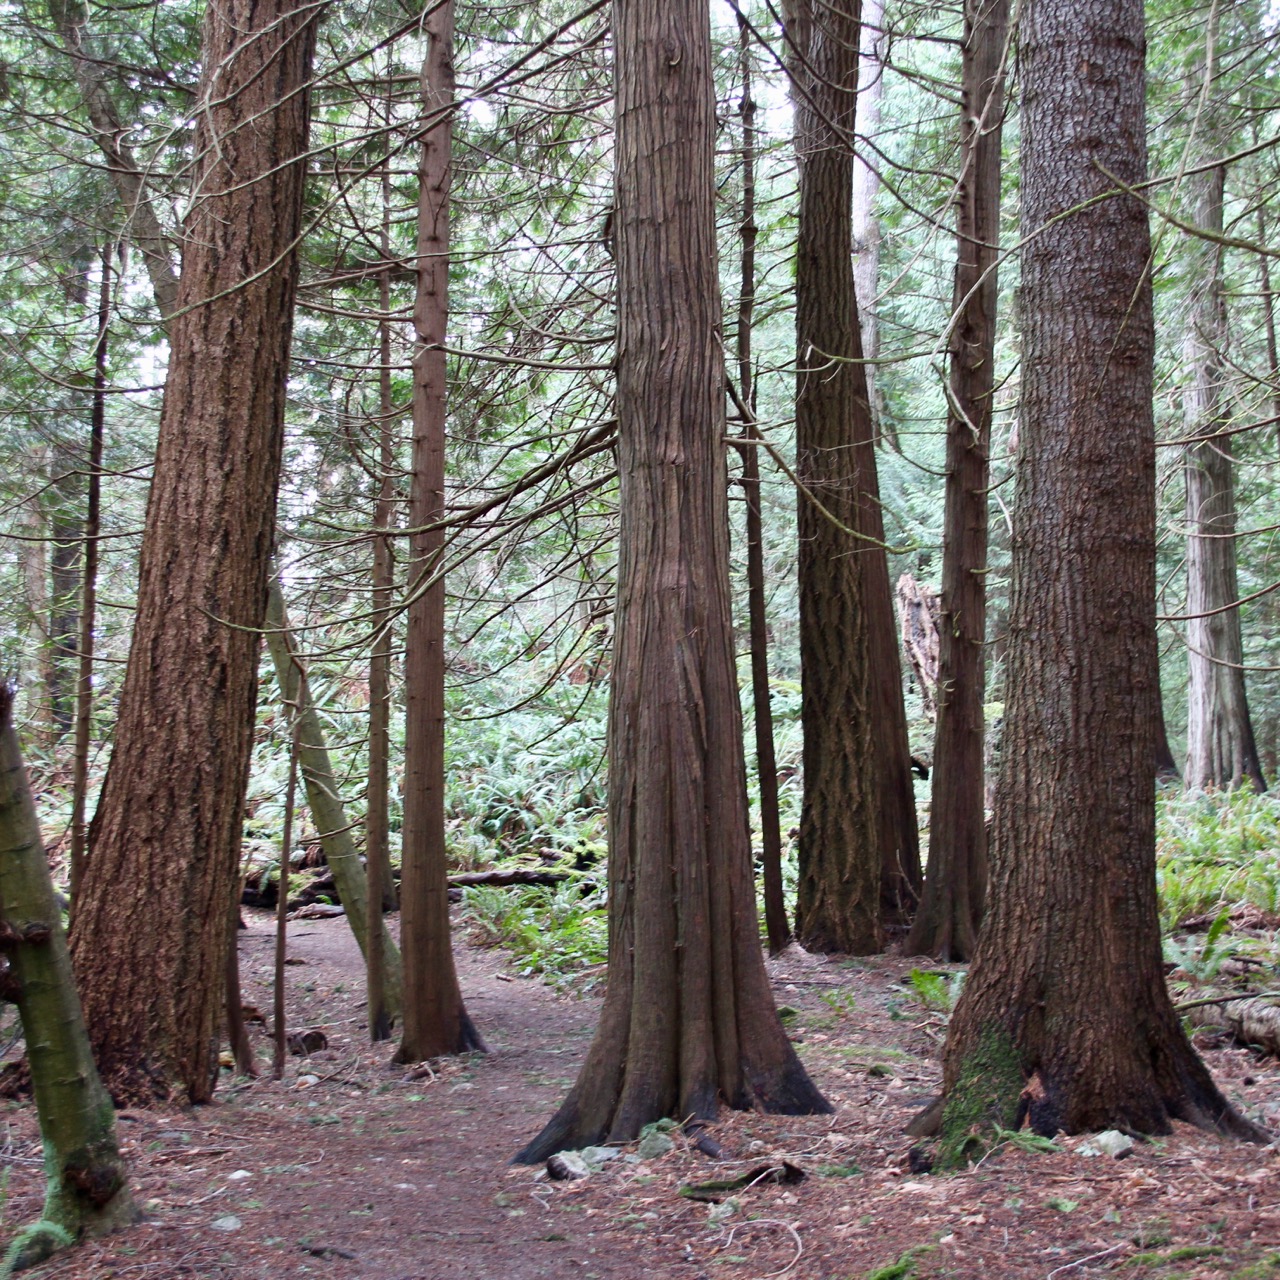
(350, 1167)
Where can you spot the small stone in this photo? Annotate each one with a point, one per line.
(654, 1145)
(718, 1213)
(305, 1082)
(239, 1175)
(565, 1166)
(1111, 1142)
(229, 1222)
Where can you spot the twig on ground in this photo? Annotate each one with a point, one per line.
(773, 1222)
(1079, 1262)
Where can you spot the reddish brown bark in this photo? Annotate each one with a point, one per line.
(950, 912)
(688, 1020)
(168, 824)
(435, 1019)
(1065, 1017)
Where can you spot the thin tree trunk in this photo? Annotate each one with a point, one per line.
(688, 1021)
(435, 1019)
(872, 42)
(66, 535)
(950, 912)
(1065, 1019)
(775, 909)
(237, 1032)
(838, 906)
(1221, 750)
(1269, 319)
(87, 1191)
(376, 844)
(279, 1030)
(168, 826)
(144, 229)
(320, 783)
(89, 599)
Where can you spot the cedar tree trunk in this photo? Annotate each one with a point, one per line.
(950, 912)
(435, 1019)
(87, 1192)
(1065, 1019)
(688, 1021)
(838, 903)
(151, 926)
(1221, 751)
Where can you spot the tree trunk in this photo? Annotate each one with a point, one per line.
(89, 589)
(1221, 751)
(435, 1019)
(66, 535)
(1065, 1018)
(87, 1192)
(775, 909)
(320, 782)
(237, 1031)
(168, 825)
(950, 912)
(688, 1019)
(838, 904)
(872, 44)
(377, 798)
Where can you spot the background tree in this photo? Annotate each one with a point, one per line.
(950, 913)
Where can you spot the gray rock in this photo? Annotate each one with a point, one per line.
(1111, 1142)
(228, 1222)
(653, 1145)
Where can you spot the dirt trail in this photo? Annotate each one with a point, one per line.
(359, 1172)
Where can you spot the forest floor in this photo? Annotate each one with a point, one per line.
(347, 1168)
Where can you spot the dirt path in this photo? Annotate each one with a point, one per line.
(347, 1169)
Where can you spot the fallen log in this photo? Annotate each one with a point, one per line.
(1250, 1020)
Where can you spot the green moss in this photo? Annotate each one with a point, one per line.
(1186, 1253)
(33, 1245)
(903, 1269)
(1265, 1269)
(983, 1100)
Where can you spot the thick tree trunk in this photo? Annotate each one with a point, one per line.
(838, 904)
(688, 1020)
(87, 1192)
(1221, 751)
(775, 909)
(435, 1019)
(168, 825)
(320, 783)
(950, 912)
(1065, 1018)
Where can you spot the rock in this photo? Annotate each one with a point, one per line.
(654, 1145)
(565, 1166)
(718, 1213)
(596, 1156)
(1111, 1142)
(228, 1222)
(239, 1175)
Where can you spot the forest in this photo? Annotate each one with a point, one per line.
(656, 618)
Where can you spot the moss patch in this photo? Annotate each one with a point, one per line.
(983, 1100)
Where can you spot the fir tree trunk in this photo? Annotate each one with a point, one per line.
(87, 1191)
(688, 1020)
(436, 1021)
(1221, 751)
(950, 912)
(1065, 1018)
(168, 826)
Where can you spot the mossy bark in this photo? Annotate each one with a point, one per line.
(320, 783)
(87, 1192)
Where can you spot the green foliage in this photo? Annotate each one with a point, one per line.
(901, 1269)
(559, 932)
(33, 1245)
(1217, 851)
(937, 991)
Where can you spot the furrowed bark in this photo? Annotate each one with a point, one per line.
(688, 1021)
